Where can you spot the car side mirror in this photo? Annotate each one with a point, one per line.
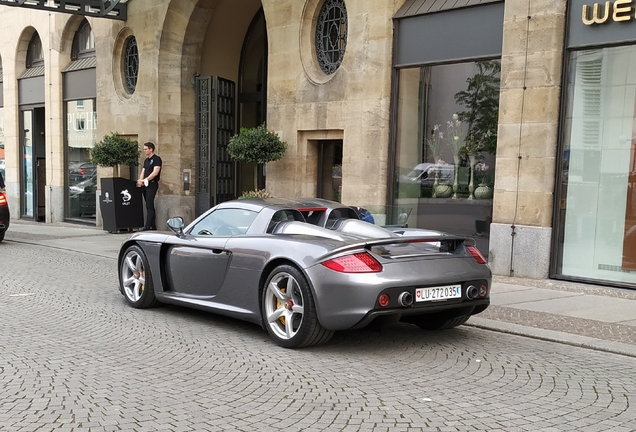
(176, 224)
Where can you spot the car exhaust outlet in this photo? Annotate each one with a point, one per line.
(405, 299)
(472, 292)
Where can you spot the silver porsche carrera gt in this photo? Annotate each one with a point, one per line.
(305, 268)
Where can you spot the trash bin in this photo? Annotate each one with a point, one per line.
(121, 204)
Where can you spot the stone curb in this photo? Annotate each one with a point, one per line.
(554, 336)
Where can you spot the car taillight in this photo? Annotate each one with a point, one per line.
(476, 254)
(3, 199)
(81, 171)
(361, 262)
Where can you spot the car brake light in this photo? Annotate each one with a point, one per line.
(361, 262)
(3, 199)
(81, 171)
(476, 254)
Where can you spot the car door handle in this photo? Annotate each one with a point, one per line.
(218, 251)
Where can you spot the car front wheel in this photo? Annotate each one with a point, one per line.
(289, 311)
(135, 279)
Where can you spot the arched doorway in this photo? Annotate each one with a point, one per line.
(252, 94)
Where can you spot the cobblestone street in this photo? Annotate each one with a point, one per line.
(75, 357)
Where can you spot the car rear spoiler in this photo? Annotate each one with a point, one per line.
(448, 244)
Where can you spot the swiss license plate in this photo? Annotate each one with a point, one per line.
(438, 293)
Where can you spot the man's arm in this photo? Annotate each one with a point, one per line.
(140, 180)
(154, 173)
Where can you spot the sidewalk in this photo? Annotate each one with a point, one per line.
(584, 315)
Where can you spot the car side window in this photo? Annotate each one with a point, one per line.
(224, 223)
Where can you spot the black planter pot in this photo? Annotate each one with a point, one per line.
(121, 204)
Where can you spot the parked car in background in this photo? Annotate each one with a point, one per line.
(424, 173)
(5, 216)
(259, 260)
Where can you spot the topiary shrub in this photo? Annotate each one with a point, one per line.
(114, 150)
(256, 145)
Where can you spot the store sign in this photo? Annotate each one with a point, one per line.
(620, 10)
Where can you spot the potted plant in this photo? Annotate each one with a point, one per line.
(256, 145)
(120, 201)
(115, 150)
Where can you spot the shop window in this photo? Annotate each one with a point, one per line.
(331, 35)
(131, 64)
(35, 55)
(446, 145)
(83, 42)
(597, 191)
(81, 128)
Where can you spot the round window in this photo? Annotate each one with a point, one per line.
(331, 35)
(131, 64)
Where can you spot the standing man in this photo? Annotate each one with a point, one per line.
(149, 180)
(2, 185)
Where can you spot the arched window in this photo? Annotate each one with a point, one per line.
(35, 55)
(83, 42)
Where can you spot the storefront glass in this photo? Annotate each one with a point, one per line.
(597, 212)
(446, 144)
(27, 161)
(81, 127)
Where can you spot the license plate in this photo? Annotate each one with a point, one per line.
(438, 293)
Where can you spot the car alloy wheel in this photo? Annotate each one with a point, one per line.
(288, 310)
(135, 279)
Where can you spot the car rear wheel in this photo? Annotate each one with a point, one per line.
(438, 322)
(2, 235)
(135, 279)
(289, 311)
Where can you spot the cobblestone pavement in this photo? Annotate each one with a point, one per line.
(75, 357)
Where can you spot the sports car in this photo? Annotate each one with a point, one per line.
(303, 269)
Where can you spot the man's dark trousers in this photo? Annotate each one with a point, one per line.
(149, 193)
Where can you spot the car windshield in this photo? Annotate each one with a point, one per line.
(225, 222)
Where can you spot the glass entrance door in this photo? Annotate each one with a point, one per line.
(28, 174)
(33, 163)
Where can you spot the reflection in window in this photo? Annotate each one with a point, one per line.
(225, 222)
(81, 128)
(446, 145)
(597, 211)
(83, 42)
(35, 55)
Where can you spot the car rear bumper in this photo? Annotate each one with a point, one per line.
(346, 301)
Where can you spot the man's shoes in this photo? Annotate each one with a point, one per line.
(148, 229)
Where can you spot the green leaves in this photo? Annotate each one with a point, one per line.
(481, 98)
(256, 145)
(114, 150)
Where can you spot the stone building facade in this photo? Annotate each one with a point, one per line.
(353, 134)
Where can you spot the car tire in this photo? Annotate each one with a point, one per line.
(135, 280)
(2, 235)
(438, 322)
(290, 317)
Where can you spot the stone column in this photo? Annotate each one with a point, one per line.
(531, 70)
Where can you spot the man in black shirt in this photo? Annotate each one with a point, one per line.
(149, 180)
(2, 185)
